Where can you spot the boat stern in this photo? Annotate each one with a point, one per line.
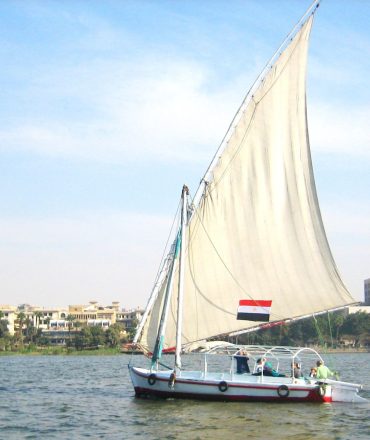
(345, 391)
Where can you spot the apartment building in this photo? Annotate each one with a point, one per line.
(57, 323)
(9, 314)
(130, 318)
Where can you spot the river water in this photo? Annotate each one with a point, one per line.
(75, 397)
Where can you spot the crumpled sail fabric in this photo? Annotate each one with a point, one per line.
(257, 232)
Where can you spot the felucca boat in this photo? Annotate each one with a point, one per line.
(250, 251)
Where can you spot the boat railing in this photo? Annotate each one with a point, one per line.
(223, 358)
(281, 358)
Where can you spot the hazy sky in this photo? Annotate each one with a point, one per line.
(107, 108)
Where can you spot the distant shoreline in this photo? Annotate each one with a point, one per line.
(64, 351)
(344, 351)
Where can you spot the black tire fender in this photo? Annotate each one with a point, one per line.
(152, 379)
(283, 391)
(223, 386)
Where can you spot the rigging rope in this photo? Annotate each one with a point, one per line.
(331, 334)
(277, 317)
(234, 122)
(176, 217)
(323, 343)
(162, 269)
(319, 333)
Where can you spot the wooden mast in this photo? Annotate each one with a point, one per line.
(184, 198)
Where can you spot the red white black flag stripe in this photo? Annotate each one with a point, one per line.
(253, 310)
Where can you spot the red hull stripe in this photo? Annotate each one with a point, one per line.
(311, 397)
(169, 350)
(215, 383)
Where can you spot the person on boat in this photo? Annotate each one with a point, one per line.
(297, 373)
(323, 371)
(259, 366)
(266, 368)
(313, 372)
(242, 362)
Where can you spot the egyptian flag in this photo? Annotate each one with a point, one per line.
(253, 310)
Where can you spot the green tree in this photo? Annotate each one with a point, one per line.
(30, 330)
(113, 335)
(357, 325)
(6, 340)
(38, 316)
(98, 337)
(3, 328)
(83, 338)
(132, 329)
(337, 322)
(20, 320)
(70, 319)
(321, 330)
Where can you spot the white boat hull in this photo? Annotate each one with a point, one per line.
(246, 387)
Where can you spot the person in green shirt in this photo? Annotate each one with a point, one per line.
(323, 371)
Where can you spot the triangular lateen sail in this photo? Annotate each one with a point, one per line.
(257, 231)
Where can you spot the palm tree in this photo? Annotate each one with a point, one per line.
(21, 318)
(29, 325)
(70, 319)
(4, 332)
(38, 316)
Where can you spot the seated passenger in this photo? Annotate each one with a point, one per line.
(259, 366)
(269, 371)
(242, 362)
(297, 370)
(266, 368)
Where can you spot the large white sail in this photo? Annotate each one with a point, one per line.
(257, 231)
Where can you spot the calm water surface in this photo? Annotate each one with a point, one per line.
(74, 397)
